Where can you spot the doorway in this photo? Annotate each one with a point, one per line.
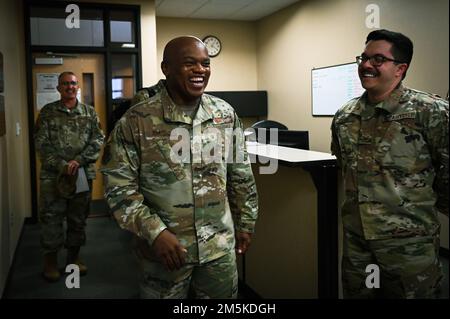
(89, 69)
(104, 52)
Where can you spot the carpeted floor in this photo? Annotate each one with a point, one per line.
(112, 271)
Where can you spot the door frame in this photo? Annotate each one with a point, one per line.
(107, 50)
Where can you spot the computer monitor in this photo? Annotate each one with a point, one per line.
(294, 139)
(245, 103)
(286, 138)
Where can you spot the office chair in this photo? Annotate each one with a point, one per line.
(269, 124)
(264, 125)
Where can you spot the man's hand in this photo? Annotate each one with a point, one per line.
(72, 167)
(242, 242)
(169, 251)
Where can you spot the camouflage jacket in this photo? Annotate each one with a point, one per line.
(62, 135)
(145, 93)
(394, 158)
(148, 190)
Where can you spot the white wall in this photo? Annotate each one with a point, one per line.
(148, 43)
(15, 201)
(234, 69)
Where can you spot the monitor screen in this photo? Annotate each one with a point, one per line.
(332, 86)
(245, 103)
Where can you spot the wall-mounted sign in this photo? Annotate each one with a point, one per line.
(47, 82)
(46, 97)
(46, 91)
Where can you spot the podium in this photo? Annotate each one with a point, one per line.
(294, 251)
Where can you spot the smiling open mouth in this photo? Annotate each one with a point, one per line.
(367, 74)
(197, 81)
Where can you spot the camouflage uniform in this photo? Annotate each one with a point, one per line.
(197, 201)
(216, 279)
(145, 93)
(62, 135)
(394, 158)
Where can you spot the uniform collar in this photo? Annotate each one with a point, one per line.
(172, 113)
(390, 104)
(77, 109)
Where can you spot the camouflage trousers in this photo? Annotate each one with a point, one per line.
(408, 267)
(217, 279)
(52, 212)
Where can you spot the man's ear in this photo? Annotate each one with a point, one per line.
(402, 68)
(59, 88)
(164, 68)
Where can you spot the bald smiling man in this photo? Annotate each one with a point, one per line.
(169, 182)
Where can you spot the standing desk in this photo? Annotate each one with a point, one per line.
(294, 251)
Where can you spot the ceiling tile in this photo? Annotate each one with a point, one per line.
(252, 12)
(176, 8)
(214, 11)
(220, 9)
(238, 3)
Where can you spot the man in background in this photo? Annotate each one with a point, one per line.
(68, 139)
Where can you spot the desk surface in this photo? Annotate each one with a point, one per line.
(288, 154)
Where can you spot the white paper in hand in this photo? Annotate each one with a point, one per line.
(82, 182)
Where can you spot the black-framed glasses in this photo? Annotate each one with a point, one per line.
(376, 60)
(67, 83)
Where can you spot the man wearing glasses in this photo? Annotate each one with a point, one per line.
(68, 139)
(392, 146)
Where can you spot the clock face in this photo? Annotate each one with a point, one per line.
(213, 45)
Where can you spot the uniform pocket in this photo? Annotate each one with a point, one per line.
(83, 125)
(348, 134)
(402, 148)
(170, 156)
(425, 283)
